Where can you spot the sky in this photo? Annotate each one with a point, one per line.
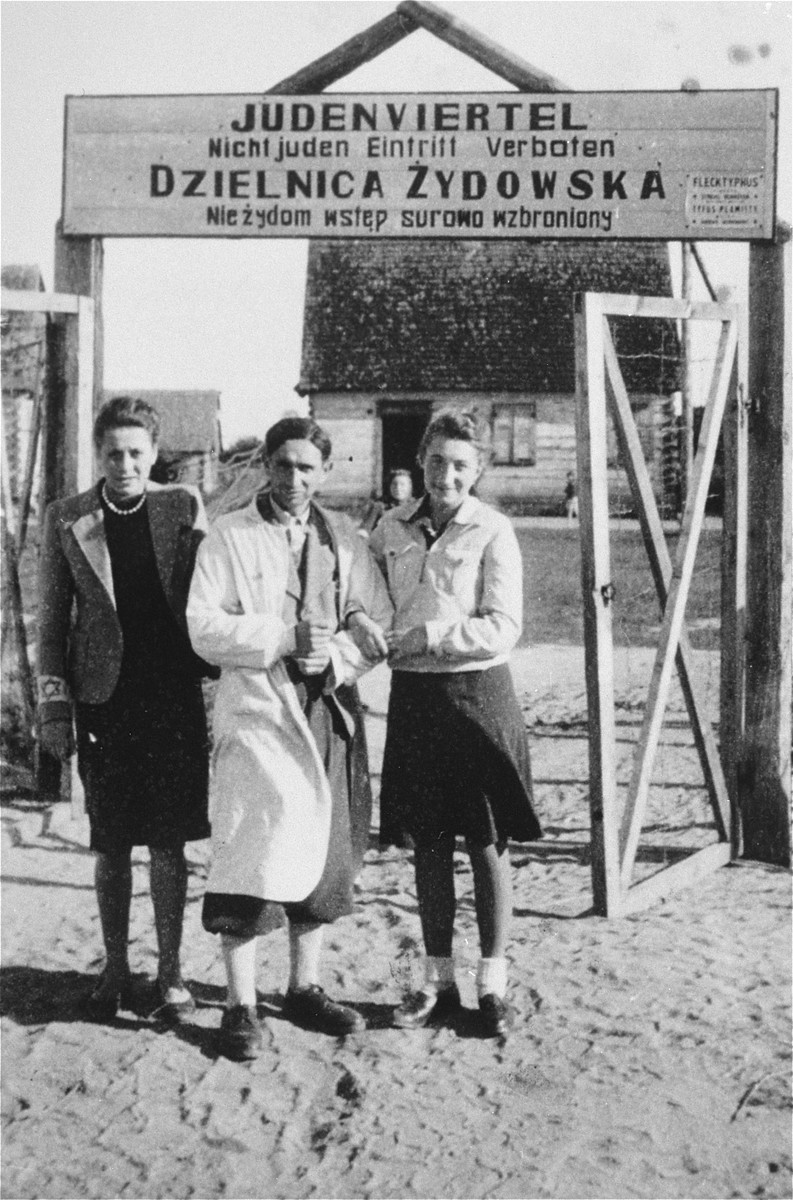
(227, 315)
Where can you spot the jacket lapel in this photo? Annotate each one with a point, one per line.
(89, 532)
(165, 534)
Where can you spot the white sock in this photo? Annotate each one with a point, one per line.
(438, 974)
(305, 951)
(491, 977)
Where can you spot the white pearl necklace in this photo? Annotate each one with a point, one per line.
(122, 512)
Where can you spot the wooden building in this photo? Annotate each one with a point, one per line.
(189, 434)
(395, 331)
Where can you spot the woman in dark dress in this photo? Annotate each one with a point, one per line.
(116, 666)
(456, 758)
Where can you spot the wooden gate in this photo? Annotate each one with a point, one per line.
(616, 828)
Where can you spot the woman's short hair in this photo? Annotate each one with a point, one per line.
(460, 427)
(299, 429)
(124, 411)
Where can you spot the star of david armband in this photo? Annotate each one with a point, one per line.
(55, 698)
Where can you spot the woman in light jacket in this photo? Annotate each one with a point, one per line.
(456, 758)
(115, 663)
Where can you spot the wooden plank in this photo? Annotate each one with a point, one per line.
(695, 254)
(617, 305)
(79, 269)
(674, 613)
(14, 300)
(671, 879)
(596, 580)
(733, 582)
(51, 486)
(51, 781)
(766, 764)
(661, 569)
(470, 41)
(75, 450)
(80, 417)
(360, 49)
(26, 498)
(12, 584)
(687, 383)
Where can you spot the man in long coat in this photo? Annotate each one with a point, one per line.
(273, 588)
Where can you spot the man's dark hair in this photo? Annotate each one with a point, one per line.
(301, 429)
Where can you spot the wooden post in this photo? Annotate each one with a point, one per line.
(765, 773)
(16, 625)
(79, 263)
(49, 777)
(73, 394)
(598, 595)
(345, 58)
(687, 392)
(26, 497)
(733, 581)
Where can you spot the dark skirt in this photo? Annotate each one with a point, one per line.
(456, 760)
(346, 765)
(143, 757)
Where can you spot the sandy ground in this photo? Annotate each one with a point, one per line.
(650, 1058)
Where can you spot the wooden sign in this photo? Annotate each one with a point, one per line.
(666, 165)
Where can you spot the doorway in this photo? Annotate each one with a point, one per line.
(402, 429)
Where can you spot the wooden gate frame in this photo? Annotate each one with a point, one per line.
(598, 382)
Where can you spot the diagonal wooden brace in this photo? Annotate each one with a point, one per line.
(674, 611)
(661, 568)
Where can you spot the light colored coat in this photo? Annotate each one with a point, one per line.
(466, 591)
(270, 801)
(80, 640)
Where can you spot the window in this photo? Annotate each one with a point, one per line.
(515, 434)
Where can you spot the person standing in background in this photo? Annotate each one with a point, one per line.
(400, 491)
(571, 498)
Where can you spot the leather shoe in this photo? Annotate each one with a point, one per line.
(497, 1016)
(104, 1002)
(240, 1036)
(425, 1008)
(312, 1009)
(174, 1004)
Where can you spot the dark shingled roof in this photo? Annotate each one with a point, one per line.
(474, 316)
(188, 420)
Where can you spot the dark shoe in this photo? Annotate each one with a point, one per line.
(427, 1008)
(174, 1005)
(240, 1035)
(311, 1008)
(104, 1002)
(497, 1016)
